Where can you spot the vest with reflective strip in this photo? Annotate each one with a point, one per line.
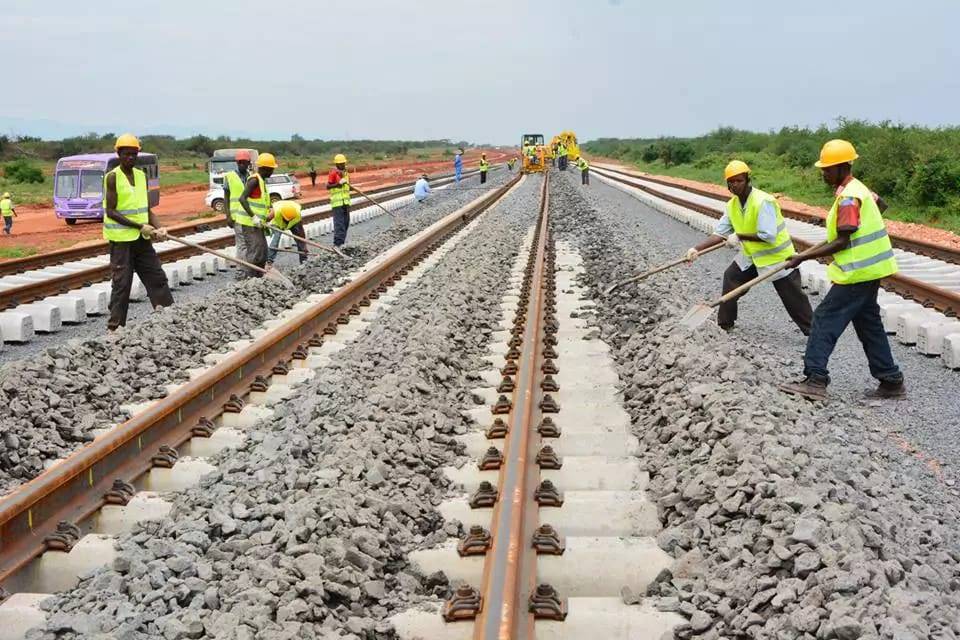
(745, 222)
(870, 254)
(260, 206)
(6, 207)
(340, 196)
(484, 165)
(132, 204)
(562, 150)
(235, 183)
(282, 223)
(582, 163)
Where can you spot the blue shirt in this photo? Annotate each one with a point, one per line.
(421, 189)
(458, 161)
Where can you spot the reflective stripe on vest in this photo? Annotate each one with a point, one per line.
(340, 196)
(6, 207)
(582, 163)
(235, 183)
(132, 204)
(745, 222)
(870, 253)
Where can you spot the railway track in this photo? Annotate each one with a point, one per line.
(51, 514)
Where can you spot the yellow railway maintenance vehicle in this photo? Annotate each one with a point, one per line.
(532, 150)
(569, 139)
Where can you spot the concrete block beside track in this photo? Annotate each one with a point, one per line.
(930, 335)
(46, 316)
(73, 308)
(951, 351)
(16, 326)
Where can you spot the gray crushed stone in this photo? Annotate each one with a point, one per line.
(303, 531)
(50, 402)
(789, 519)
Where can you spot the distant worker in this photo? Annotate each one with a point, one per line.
(511, 163)
(553, 156)
(233, 182)
(862, 255)
(129, 227)
(255, 201)
(338, 184)
(287, 217)
(562, 156)
(7, 211)
(484, 166)
(584, 167)
(458, 165)
(421, 189)
(754, 221)
(313, 176)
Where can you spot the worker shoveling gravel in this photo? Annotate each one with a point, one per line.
(303, 532)
(50, 402)
(787, 520)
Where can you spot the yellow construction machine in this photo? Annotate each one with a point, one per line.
(569, 139)
(533, 152)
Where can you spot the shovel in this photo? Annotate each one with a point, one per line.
(385, 210)
(308, 242)
(658, 269)
(270, 274)
(699, 313)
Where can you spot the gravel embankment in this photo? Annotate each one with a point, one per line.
(303, 531)
(791, 519)
(50, 401)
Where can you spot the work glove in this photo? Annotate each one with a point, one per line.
(147, 231)
(692, 254)
(733, 241)
(161, 234)
(258, 221)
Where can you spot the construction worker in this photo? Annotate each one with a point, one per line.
(458, 165)
(584, 167)
(130, 226)
(313, 175)
(862, 255)
(255, 203)
(562, 156)
(287, 217)
(233, 182)
(754, 221)
(484, 166)
(421, 189)
(8, 212)
(338, 184)
(554, 153)
(510, 164)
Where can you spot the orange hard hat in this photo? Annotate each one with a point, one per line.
(243, 154)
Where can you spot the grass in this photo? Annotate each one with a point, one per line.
(773, 175)
(16, 252)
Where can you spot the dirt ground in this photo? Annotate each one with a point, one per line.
(39, 228)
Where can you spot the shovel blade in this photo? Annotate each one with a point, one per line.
(277, 276)
(696, 316)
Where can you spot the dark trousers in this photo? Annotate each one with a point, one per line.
(7, 224)
(254, 248)
(313, 179)
(341, 222)
(584, 176)
(296, 230)
(127, 258)
(483, 177)
(843, 304)
(789, 289)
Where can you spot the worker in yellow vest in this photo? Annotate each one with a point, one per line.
(862, 255)
(255, 205)
(338, 185)
(562, 156)
(129, 225)
(287, 217)
(484, 167)
(584, 167)
(753, 221)
(8, 212)
(233, 183)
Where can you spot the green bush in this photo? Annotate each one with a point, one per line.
(935, 181)
(21, 171)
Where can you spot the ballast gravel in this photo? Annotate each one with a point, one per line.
(50, 402)
(303, 532)
(788, 519)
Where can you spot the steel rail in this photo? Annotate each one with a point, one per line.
(74, 489)
(926, 294)
(40, 289)
(913, 245)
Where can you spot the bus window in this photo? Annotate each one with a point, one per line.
(91, 184)
(66, 186)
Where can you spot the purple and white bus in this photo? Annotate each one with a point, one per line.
(78, 184)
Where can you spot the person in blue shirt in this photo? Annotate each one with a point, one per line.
(458, 164)
(421, 189)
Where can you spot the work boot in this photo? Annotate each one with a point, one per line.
(887, 390)
(810, 388)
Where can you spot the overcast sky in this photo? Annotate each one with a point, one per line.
(481, 70)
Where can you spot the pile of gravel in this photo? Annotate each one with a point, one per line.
(304, 531)
(49, 402)
(787, 518)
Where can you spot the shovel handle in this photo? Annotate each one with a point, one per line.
(662, 267)
(200, 247)
(385, 210)
(766, 276)
(304, 240)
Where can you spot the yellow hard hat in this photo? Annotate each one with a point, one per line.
(288, 210)
(266, 160)
(735, 168)
(339, 159)
(836, 152)
(127, 140)
(5, 195)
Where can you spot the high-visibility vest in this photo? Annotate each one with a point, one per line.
(260, 206)
(340, 196)
(132, 204)
(744, 222)
(236, 184)
(562, 150)
(484, 165)
(282, 223)
(870, 253)
(582, 163)
(6, 207)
